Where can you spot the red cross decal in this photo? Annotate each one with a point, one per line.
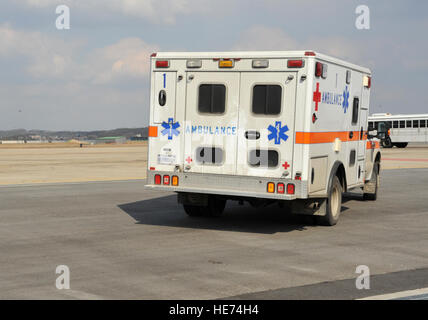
(317, 96)
(286, 165)
(189, 160)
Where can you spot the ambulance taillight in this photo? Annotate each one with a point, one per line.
(290, 188)
(158, 179)
(166, 180)
(174, 180)
(271, 187)
(280, 188)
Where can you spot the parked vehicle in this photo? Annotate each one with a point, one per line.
(287, 127)
(402, 128)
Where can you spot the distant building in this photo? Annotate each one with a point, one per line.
(117, 140)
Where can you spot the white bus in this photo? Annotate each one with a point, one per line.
(404, 128)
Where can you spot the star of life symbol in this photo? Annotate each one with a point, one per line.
(345, 103)
(278, 132)
(170, 128)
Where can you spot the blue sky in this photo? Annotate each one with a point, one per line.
(95, 75)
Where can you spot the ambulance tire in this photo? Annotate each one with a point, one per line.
(215, 207)
(333, 204)
(375, 181)
(193, 211)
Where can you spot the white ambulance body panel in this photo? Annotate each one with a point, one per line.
(266, 117)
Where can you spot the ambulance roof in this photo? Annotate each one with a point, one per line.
(259, 55)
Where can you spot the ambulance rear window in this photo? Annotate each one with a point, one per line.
(212, 98)
(209, 155)
(263, 158)
(267, 99)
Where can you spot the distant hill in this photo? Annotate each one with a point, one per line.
(22, 134)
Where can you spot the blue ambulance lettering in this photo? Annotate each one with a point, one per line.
(210, 130)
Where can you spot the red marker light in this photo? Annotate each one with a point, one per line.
(309, 53)
(290, 188)
(162, 64)
(295, 63)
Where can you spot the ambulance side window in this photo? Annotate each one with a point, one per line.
(212, 98)
(352, 157)
(267, 99)
(395, 124)
(355, 110)
(263, 158)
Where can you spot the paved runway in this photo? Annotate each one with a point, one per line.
(121, 241)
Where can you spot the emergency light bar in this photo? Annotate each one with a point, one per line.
(260, 63)
(225, 63)
(194, 63)
(321, 70)
(367, 81)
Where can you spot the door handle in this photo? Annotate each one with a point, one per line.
(351, 134)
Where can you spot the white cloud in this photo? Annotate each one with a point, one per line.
(155, 11)
(47, 56)
(130, 57)
(51, 57)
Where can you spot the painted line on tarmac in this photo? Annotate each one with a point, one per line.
(405, 159)
(418, 294)
(60, 183)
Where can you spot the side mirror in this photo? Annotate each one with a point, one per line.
(372, 134)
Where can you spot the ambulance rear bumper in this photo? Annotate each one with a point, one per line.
(228, 185)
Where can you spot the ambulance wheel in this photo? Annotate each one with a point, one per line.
(374, 184)
(334, 204)
(215, 207)
(192, 211)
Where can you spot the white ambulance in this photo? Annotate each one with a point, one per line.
(263, 127)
